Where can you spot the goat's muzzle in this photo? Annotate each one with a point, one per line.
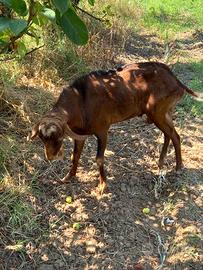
(58, 156)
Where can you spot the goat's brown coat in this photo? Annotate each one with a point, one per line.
(97, 100)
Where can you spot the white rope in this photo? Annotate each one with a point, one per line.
(162, 250)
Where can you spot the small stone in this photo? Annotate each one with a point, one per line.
(133, 181)
(123, 187)
(45, 257)
(132, 235)
(59, 263)
(187, 142)
(128, 244)
(91, 246)
(91, 249)
(109, 241)
(45, 267)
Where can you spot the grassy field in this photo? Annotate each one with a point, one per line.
(33, 213)
(168, 19)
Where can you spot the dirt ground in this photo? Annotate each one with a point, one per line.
(114, 232)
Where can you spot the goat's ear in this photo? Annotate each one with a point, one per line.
(33, 133)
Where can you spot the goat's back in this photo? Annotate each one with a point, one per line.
(129, 91)
(101, 98)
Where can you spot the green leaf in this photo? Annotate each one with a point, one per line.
(62, 5)
(58, 17)
(5, 36)
(7, 3)
(42, 14)
(40, 19)
(19, 6)
(37, 7)
(17, 26)
(74, 27)
(21, 49)
(49, 13)
(3, 43)
(4, 24)
(91, 2)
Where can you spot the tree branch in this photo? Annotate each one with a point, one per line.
(89, 14)
(14, 57)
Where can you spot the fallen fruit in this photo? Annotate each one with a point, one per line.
(69, 199)
(146, 210)
(76, 226)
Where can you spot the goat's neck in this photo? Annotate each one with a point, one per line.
(69, 112)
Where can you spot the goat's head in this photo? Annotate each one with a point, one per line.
(52, 131)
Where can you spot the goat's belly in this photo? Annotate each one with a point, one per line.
(126, 116)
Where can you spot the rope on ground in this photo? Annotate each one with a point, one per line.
(162, 250)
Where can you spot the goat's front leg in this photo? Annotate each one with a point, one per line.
(78, 146)
(102, 140)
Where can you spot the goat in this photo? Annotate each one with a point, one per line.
(95, 101)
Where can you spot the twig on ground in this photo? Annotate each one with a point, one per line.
(120, 149)
(126, 168)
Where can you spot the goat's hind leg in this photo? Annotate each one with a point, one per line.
(78, 147)
(164, 150)
(102, 140)
(165, 124)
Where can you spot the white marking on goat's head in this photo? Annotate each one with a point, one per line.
(47, 130)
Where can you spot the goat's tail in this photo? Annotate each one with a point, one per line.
(196, 95)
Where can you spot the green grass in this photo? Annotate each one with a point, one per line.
(8, 148)
(21, 217)
(195, 70)
(165, 18)
(13, 203)
(172, 16)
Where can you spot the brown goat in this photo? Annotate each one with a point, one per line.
(95, 101)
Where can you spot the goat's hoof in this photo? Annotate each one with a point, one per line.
(101, 188)
(66, 178)
(179, 169)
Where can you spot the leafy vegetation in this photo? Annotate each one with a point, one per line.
(19, 18)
